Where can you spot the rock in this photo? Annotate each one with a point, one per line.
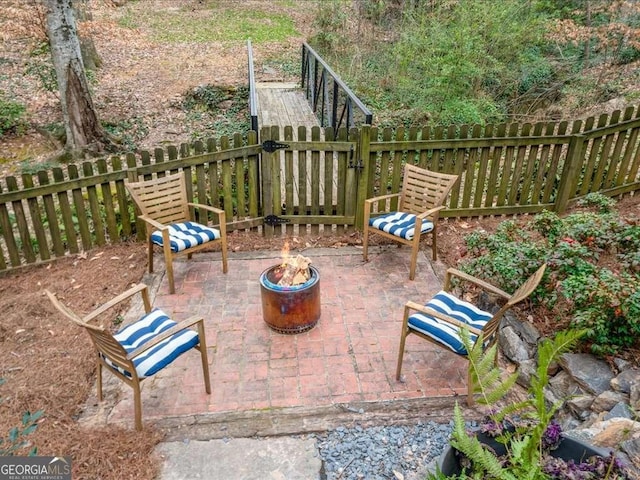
(580, 405)
(526, 370)
(621, 364)
(634, 394)
(607, 400)
(619, 410)
(567, 421)
(622, 383)
(512, 346)
(564, 386)
(551, 397)
(632, 449)
(609, 433)
(525, 330)
(592, 374)
(489, 303)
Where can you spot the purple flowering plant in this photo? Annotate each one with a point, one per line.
(523, 434)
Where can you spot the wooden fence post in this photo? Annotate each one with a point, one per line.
(266, 182)
(570, 173)
(362, 158)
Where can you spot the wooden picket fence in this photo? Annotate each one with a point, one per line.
(322, 182)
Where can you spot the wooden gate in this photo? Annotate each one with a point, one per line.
(309, 179)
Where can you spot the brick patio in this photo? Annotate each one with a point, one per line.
(350, 356)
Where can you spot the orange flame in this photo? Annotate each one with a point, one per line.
(285, 254)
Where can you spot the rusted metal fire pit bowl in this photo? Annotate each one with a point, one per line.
(290, 309)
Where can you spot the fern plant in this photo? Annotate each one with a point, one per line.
(525, 429)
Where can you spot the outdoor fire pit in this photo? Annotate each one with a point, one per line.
(291, 296)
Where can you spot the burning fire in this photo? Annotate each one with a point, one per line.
(284, 254)
(292, 270)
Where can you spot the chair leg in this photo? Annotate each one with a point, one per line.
(434, 247)
(137, 404)
(99, 381)
(224, 256)
(203, 356)
(415, 248)
(365, 244)
(403, 337)
(150, 255)
(168, 259)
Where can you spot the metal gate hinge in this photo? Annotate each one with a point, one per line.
(274, 220)
(271, 146)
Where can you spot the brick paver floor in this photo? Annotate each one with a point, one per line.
(349, 356)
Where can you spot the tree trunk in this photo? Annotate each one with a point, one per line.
(83, 129)
(90, 57)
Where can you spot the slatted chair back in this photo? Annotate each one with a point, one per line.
(163, 199)
(105, 344)
(526, 289)
(423, 189)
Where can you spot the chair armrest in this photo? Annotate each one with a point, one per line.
(453, 272)
(217, 210)
(114, 301)
(371, 201)
(155, 224)
(430, 212)
(183, 325)
(440, 316)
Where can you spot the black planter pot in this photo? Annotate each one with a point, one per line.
(569, 449)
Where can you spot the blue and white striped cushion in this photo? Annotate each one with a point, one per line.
(443, 332)
(159, 356)
(400, 224)
(186, 235)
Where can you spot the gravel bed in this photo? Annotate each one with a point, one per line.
(382, 452)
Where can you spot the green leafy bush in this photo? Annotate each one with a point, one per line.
(509, 256)
(601, 299)
(607, 306)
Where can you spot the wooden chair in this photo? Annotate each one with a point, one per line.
(166, 212)
(439, 321)
(421, 199)
(140, 349)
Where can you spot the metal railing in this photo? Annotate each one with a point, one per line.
(253, 99)
(330, 98)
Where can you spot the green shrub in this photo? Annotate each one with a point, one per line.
(508, 257)
(607, 306)
(603, 300)
(628, 241)
(11, 115)
(549, 225)
(599, 201)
